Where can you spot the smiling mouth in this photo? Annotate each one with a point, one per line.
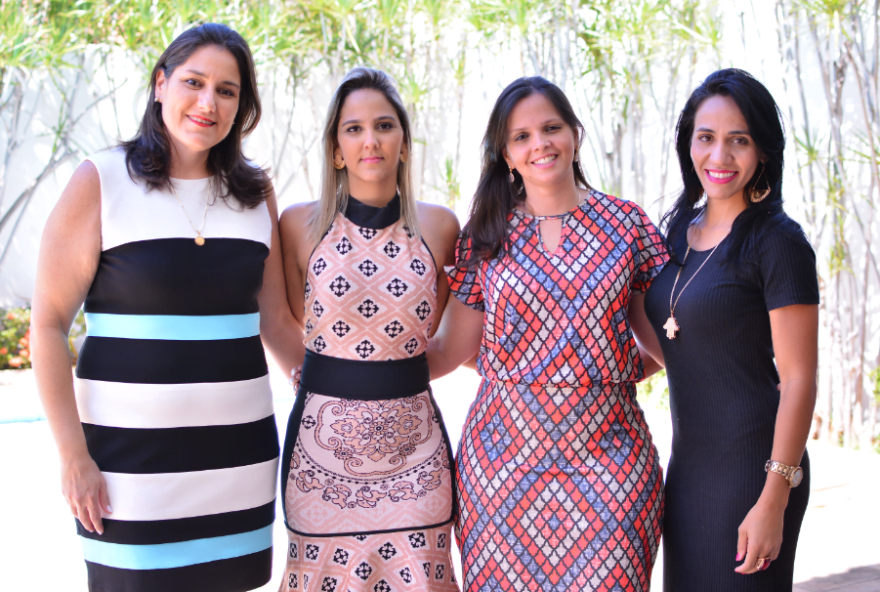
(546, 159)
(720, 175)
(201, 121)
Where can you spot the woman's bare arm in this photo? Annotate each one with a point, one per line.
(440, 230)
(279, 329)
(70, 251)
(646, 338)
(457, 339)
(795, 342)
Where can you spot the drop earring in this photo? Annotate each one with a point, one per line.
(510, 177)
(758, 196)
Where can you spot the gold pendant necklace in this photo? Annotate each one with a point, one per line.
(671, 324)
(200, 240)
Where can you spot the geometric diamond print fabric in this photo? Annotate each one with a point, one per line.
(412, 560)
(369, 488)
(370, 294)
(571, 503)
(559, 484)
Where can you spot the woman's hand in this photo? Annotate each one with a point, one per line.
(85, 490)
(296, 377)
(760, 536)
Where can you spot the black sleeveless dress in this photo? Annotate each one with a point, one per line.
(724, 400)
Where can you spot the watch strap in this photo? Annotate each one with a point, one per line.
(774, 466)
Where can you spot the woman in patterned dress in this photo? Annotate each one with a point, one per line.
(559, 485)
(167, 437)
(366, 463)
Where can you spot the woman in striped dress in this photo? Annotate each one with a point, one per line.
(167, 436)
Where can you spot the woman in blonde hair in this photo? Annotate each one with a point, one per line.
(368, 499)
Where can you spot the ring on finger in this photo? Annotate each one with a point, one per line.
(766, 564)
(761, 561)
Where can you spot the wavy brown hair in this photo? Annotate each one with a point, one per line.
(148, 154)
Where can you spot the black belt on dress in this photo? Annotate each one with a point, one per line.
(355, 379)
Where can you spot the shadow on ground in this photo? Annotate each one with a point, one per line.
(855, 579)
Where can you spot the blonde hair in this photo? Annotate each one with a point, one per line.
(334, 182)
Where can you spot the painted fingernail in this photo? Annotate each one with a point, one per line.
(739, 556)
(109, 509)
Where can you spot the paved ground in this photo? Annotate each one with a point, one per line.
(839, 548)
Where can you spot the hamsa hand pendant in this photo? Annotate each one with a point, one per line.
(671, 327)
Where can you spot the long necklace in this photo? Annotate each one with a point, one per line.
(671, 324)
(200, 240)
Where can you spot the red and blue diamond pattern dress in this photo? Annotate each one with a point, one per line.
(559, 484)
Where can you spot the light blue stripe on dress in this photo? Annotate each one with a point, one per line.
(173, 327)
(169, 555)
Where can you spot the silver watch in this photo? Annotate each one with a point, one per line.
(794, 475)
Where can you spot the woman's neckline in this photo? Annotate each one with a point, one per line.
(374, 217)
(178, 180)
(579, 206)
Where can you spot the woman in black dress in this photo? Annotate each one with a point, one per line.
(738, 479)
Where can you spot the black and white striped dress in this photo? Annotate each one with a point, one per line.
(173, 391)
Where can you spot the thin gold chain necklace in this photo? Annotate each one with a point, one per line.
(671, 324)
(200, 240)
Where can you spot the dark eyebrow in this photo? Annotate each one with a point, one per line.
(202, 74)
(554, 120)
(380, 118)
(732, 133)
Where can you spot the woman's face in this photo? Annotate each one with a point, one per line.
(540, 145)
(200, 99)
(370, 142)
(725, 156)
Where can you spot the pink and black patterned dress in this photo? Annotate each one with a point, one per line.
(559, 485)
(368, 499)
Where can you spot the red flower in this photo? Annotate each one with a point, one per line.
(16, 362)
(3, 351)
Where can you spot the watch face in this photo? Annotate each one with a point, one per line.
(797, 476)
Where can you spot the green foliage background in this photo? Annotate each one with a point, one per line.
(627, 67)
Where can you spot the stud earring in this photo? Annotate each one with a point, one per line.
(403, 158)
(156, 100)
(510, 177)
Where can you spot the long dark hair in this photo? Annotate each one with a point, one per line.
(764, 120)
(148, 154)
(496, 196)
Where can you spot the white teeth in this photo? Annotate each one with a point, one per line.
(200, 120)
(546, 159)
(720, 175)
